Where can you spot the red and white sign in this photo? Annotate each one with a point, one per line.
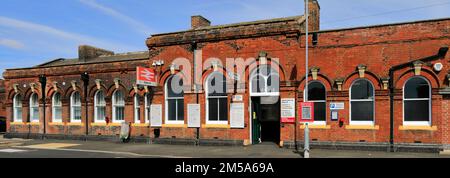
(288, 110)
(306, 112)
(146, 76)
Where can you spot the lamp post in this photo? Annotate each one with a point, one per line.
(306, 147)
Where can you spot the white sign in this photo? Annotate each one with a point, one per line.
(194, 115)
(337, 106)
(156, 115)
(237, 115)
(238, 98)
(287, 110)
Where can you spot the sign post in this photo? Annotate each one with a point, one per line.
(306, 117)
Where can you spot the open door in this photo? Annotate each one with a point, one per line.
(265, 120)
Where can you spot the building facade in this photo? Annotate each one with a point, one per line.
(2, 107)
(391, 81)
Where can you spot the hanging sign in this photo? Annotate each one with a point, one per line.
(306, 112)
(146, 77)
(288, 110)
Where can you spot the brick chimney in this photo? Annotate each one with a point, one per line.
(314, 15)
(198, 21)
(86, 52)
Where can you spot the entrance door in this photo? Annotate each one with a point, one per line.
(265, 119)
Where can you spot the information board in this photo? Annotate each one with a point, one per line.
(194, 115)
(156, 115)
(237, 115)
(288, 110)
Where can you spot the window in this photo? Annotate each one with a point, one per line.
(174, 100)
(75, 107)
(34, 108)
(216, 99)
(147, 107)
(100, 107)
(137, 109)
(417, 102)
(362, 103)
(17, 107)
(118, 103)
(317, 95)
(56, 108)
(265, 81)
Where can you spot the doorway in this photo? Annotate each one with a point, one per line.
(265, 119)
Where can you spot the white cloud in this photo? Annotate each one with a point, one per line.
(138, 26)
(12, 43)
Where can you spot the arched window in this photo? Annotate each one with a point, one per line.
(317, 95)
(75, 107)
(137, 109)
(265, 81)
(147, 107)
(100, 107)
(118, 103)
(362, 105)
(34, 108)
(56, 108)
(174, 100)
(17, 107)
(417, 102)
(216, 99)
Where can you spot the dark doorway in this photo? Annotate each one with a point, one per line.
(265, 119)
(2, 124)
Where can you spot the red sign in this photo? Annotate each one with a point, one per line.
(287, 110)
(306, 112)
(146, 76)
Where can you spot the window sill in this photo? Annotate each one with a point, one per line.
(425, 128)
(316, 127)
(32, 123)
(175, 126)
(362, 127)
(75, 124)
(16, 123)
(140, 125)
(216, 126)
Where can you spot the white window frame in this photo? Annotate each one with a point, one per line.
(147, 108)
(371, 123)
(33, 106)
(97, 105)
(55, 106)
(117, 104)
(214, 97)
(73, 105)
(317, 101)
(17, 104)
(137, 109)
(167, 98)
(265, 78)
(417, 123)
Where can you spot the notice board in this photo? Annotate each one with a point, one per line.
(237, 115)
(194, 115)
(156, 115)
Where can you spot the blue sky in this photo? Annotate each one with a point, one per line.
(32, 32)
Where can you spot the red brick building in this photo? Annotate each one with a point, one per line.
(390, 81)
(2, 107)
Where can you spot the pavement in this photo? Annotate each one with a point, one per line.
(20, 148)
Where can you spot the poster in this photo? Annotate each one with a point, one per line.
(194, 115)
(288, 110)
(237, 115)
(156, 115)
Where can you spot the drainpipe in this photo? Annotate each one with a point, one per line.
(85, 79)
(43, 81)
(194, 48)
(440, 55)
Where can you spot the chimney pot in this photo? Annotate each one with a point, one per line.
(198, 21)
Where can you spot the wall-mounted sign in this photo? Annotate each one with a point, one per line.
(194, 115)
(156, 115)
(237, 98)
(337, 106)
(288, 110)
(237, 115)
(306, 112)
(146, 76)
(334, 115)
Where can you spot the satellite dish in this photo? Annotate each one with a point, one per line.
(438, 67)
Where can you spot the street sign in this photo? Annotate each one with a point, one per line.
(337, 106)
(146, 77)
(306, 112)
